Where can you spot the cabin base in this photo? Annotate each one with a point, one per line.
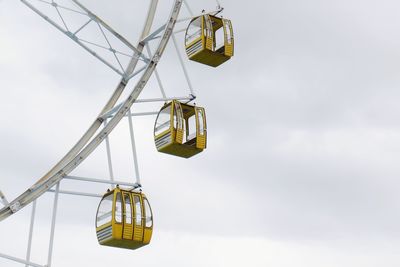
(210, 58)
(119, 243)
(180, 150)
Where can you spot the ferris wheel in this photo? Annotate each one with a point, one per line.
(124, 216)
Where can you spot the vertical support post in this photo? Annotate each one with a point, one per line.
(53, 225)
(135, 158)
(109, 160)
(183, 65)
(156, 72)
(29, 249)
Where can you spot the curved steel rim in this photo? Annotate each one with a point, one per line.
(74, 158)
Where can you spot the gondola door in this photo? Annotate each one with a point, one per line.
(179, 122)
(148, 227)
(201, 125)
(208, 32)
(128, 218)
(229, 40)
(138, 218)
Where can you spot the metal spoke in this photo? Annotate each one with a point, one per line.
(137, 72)
(61, 17)
(62, 7)
(157, 75)
(45, 1)
(15, 259)
(105, 25)
(111, 114)
(53, 226)
(133, 144)
(110, 46)
(83, 26)
(116, 65)
(109, 159)
(29, 249)
(72, 10)
(155, 35)
(99, 181)
(183, 66)
(74, 193)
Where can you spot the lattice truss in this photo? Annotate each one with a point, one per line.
(89, 31)
(94, 35)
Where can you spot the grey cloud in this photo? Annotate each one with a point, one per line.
(303, 132)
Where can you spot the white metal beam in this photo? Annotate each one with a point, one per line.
(111, 112)
(100, 181)
(32, 224)
(73, 36)
(185, 72)
(109, 159)
(74, 193)
(109, 28)
(65, 167)
(164, 99)
(11, 258)
(53, 226)
(139, 114)
(133, 144)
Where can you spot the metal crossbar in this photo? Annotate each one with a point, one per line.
(155, 35)
(117, 65)
(15, 259)
(100, 181)
(111, 112)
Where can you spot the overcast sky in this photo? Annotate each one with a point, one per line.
(301, 167)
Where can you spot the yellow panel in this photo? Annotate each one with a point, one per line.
(127, 244)
(111, 234)
(217, 22)
(181, 150)
(179, 120)
(148, 232)
(138, 229)
(210, 58)
(128, 227)
(179, 136)
(207, 54)
(207, 27)
(229, 44)
(201, 135)
(117, 231)
(177, 147)
(116, 227)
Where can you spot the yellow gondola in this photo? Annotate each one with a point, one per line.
(209, 40)
(180, 129)
(124, 219)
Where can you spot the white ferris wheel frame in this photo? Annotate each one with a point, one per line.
(111, 114)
